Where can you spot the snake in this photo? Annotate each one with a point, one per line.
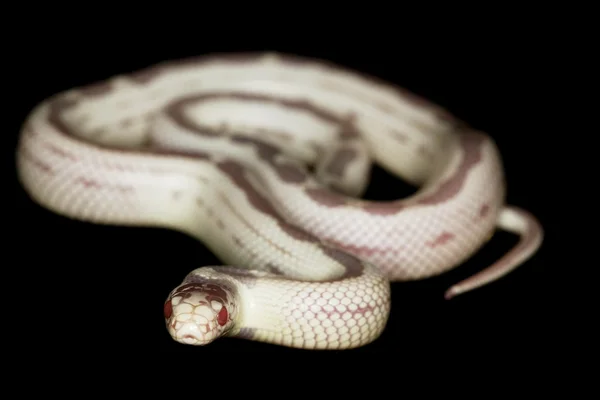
(264, 157)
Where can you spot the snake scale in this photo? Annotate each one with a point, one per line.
(264, 157)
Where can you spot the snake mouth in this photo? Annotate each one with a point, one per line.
(193, 340)
(191, 334)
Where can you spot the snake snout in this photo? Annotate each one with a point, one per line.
(193, 325)
(191, 333)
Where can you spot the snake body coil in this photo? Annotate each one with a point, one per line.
(264, 157)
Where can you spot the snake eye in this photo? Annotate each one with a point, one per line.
(222, 317)
(168, 310)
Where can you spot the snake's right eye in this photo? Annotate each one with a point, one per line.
(168, 309)
(223, 316)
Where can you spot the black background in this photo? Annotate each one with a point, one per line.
(104, 287)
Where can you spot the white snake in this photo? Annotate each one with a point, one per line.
(263, 157)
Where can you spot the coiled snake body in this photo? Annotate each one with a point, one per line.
(264, 157)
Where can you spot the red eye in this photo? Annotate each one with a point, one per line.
(222, 317)
(168, 309)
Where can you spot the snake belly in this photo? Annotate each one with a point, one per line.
(263, 157)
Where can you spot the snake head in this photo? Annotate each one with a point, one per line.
(200, 310)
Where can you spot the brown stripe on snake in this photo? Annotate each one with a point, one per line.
(440, 240)
(289, 229)
(326, 197)
(97, 89)
(298, 60)
(147, 75)
(410, 97)
(176, 110)
(62, 103)
(354, 266)
(348, 129)
(290, 173)
(396, 251)
(472, 147)
(236, 172)
(471, 144)
(196, 154)
(483, 211)
(57, 107)
(401, 92)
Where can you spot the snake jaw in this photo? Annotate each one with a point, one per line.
(197, 313)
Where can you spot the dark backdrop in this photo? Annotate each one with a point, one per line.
(104, 286)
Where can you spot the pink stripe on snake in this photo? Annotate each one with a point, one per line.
(264, 157)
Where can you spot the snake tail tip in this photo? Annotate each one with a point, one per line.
(451, 293)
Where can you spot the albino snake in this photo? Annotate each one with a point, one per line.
(263, 157)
